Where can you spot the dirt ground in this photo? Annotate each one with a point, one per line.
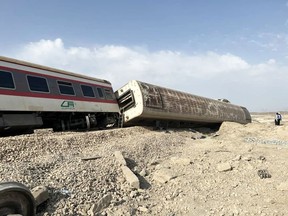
(237, 170)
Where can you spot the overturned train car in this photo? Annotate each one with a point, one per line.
(142, 103)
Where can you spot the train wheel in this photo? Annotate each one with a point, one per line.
(15, 198)
(88, 125)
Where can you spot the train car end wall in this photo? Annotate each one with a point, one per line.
(130, 96)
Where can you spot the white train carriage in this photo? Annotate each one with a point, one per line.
(142, 103)
(33, 96)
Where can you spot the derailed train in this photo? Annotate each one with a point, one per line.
(142, 103)
(34, 96)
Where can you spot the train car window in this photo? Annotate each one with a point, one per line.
(38, 84)
(6, 80)
(87, 91)
(66, 88)
(108, 94)
(100, 92)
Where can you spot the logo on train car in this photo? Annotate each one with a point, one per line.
(68, 105)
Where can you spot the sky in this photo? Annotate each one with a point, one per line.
(236, 50)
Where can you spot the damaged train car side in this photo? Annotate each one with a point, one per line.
(142, 103)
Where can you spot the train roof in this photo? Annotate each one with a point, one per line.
(28, 64)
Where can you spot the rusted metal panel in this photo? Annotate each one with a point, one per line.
(151, 96)
(170, 104)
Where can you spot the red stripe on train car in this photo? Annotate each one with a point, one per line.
(49, 96)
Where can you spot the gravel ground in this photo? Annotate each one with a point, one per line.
(55, 161)
(205, 172)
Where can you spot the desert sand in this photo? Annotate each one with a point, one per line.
(236, 170)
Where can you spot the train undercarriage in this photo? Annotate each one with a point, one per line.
(12, 123)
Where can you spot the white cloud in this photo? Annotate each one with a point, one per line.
(208, 74)
(129, 62)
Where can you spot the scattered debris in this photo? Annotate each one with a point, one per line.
(262, 158)
(101, 204)
(237, 158)
(247, 158)
(263, 174)
(119, 158)
(224, 167)
(90, 158)
(64, 191)
(40, 194)
(143, 209)
(143, 172)
(130, 177)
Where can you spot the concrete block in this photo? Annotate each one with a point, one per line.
(40, 194)
(130, 177)
(119, 158)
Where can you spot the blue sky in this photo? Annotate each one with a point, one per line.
(218, 49)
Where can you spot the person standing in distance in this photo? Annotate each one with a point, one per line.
(278, 118)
